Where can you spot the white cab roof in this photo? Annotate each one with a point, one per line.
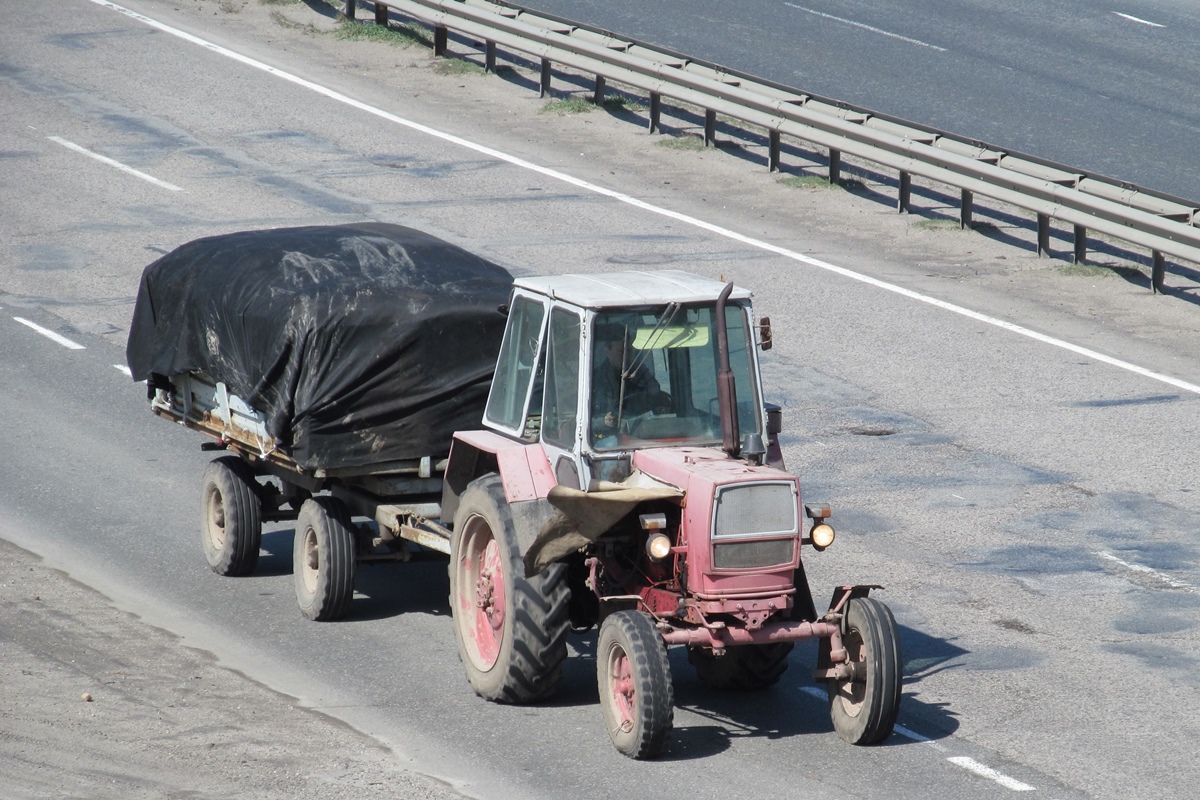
(607, 289)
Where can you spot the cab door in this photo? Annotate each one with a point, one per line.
(515, 385)
(562, 422)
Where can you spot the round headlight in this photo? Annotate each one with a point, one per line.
(822, 536)
(658, 546)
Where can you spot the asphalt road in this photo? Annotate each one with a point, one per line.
(1109, 88)
(1027, 503)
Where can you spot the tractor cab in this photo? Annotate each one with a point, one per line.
(598, 367)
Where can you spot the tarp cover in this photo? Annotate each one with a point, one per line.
(361, 344)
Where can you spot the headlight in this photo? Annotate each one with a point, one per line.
(658, 546)
(822, 536)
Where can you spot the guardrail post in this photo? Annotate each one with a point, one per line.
(598, 95)
(545, 88)
(710, 128)
(655, 111)
(441, 35)
(835, 166)
(773, 152)
(349, 10)
(1080, 244)
(905, 196)
(1043, 234)
(489, 56)
(1158, 272)
(381, 14)
(967, 209)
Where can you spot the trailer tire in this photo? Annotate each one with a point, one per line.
(230, 517)
(864, 711)
(323, 559)
(511, 630)
(744, 668)
(634, 680)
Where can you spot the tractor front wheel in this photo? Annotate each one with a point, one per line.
(864, 706)
(634, 678)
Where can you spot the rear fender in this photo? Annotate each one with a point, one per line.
(523, 468)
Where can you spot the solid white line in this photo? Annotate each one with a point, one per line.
(51, 335)
(675, 215)
(112, 163)
(866, 27)
(1162, 576)
(987, 772)
(1139, 19)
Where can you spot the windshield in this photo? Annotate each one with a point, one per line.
(654, 376)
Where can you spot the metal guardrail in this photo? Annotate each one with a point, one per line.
(1165, 225)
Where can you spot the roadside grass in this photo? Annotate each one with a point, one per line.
(401, 35)
(808, 182)
(457, 66)
(681, 142)
(568, 105)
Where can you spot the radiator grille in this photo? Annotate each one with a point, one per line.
(753, 554)
(756, 509)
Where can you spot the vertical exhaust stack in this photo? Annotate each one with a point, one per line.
(726, 389)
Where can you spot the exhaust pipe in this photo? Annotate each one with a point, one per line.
(726, 390)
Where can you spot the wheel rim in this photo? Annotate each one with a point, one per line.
(481, 594)
(216, 519)
(621, 688)
(310, 561)
(852, 694)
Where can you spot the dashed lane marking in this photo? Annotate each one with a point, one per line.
(965, 762)
(1141, 569)
(1139, 20)
(866, 27)
(51, 335)
(114, 163)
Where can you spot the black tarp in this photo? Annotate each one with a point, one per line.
(361, 344)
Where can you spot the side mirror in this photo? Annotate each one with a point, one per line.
(764, 333)
(774, 419)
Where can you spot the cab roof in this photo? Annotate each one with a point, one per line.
(606, 289)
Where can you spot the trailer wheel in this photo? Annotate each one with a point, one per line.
(511, 630)
(230, 517)
(864, 707)
(634, 679)
(742, 668)
(323, 559)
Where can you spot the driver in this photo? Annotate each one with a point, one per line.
(615, 357)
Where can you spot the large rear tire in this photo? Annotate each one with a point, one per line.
(323, 559)
(744, 668)
(230, 517)
(634, 679)
(864, 707)
(511, 630)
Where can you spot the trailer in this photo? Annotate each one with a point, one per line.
(603, 457)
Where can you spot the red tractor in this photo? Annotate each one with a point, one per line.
(631, 477)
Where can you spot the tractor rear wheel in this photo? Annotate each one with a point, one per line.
(230, 517)
(323, 559)
(634, 679)
(864, 707)
(743, 668)
(511, 630)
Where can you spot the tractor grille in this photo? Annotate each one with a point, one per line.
(750, 555)
(755, 525)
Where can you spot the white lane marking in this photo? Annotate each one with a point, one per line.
(961, 761)
(51, 335)
(866, 27)
(642, 204)
(1139, 20)
(124, 369)
(1162, 576)
(113, 163)
(987, 772)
